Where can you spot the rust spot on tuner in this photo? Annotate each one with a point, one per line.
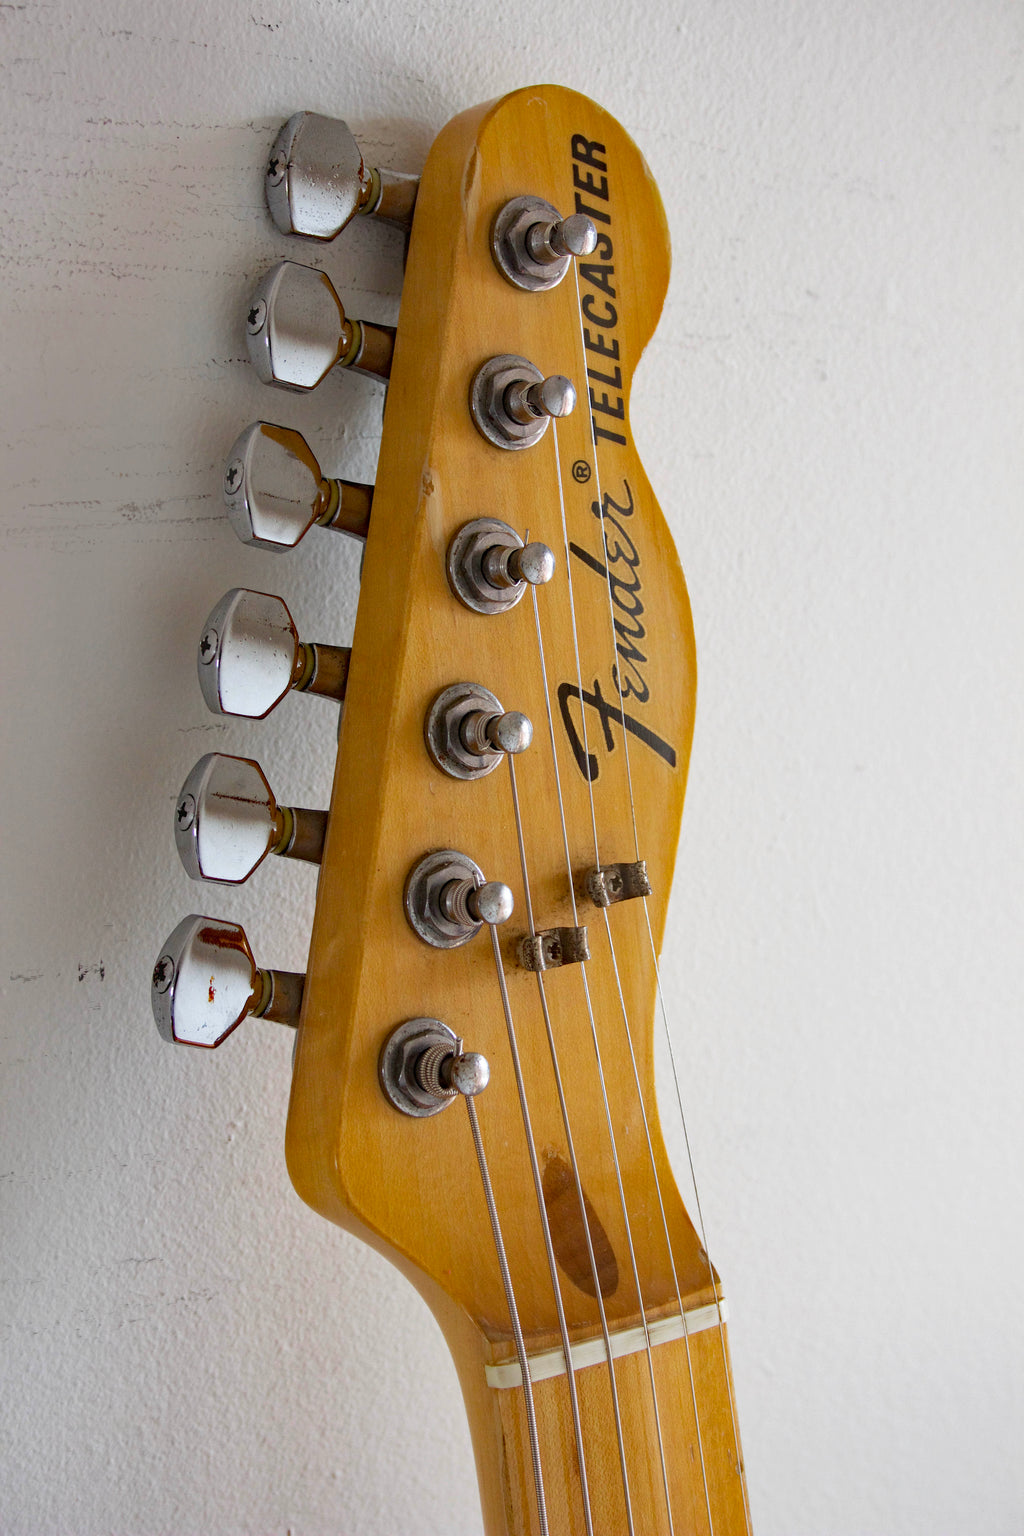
(568, 1234)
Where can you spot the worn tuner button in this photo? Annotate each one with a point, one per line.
(511, 401)
(205, 982)
(533, 245)
(250, 655)
(317, 180)
(489, 566)
(297, 330)
(226, 821)
(275, 491)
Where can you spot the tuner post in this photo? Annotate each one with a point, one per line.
(468, 734)
(533, 246)
(511, 401)
(447, 900)
(489, 567)
(422, 1068)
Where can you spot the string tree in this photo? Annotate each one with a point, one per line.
(511, 401)
(611, 883)
(490, 567)
(317, 181)
(275, 491)
(533, 245)
(227, 819)
(550, 948)
(467, 733)
(297, 330)
(250, 656)
(205, 982)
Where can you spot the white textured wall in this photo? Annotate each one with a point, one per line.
(832, 412)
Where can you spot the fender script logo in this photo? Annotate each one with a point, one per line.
(623, 586)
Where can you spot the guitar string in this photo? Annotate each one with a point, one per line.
(664, 1220)
(563, 1327)
(614, 959)
(513, 1310)
(654, 954)
(570, 1143)
(586, 987)
(703, 1232)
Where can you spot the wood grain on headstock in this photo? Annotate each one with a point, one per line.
(411, 1187)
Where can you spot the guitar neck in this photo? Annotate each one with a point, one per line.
(696, 1458)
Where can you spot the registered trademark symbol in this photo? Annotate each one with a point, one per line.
(581, 471)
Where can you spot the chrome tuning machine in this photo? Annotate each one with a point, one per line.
(317, 181)
(205, 982)
(533, 246)
(250, 656)
(226, 821)
(275, 491)
(297, 331)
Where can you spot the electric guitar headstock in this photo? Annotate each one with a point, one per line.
(473, 1087)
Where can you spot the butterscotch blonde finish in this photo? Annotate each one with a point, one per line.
(615, 616)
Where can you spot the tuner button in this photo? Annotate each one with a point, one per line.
(273, 488)
(227, 820)
(317, 180)
(205, 982)
(275, 491)
(297, 330)
(250, 655)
